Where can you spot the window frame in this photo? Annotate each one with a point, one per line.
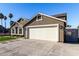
(20, 32)
(37, 18)
(13, 30)
(16, 28)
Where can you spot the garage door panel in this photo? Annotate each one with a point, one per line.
(46, 33)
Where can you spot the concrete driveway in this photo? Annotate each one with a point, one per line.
(29, 47)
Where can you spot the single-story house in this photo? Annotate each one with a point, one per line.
(46, 27)
(17, 27)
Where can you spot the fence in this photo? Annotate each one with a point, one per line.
(1, 34)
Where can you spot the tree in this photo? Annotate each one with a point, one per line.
(1, 17)
(12, 22)
(10, 16)
(68, 26)
(78, 26)
(5, 18)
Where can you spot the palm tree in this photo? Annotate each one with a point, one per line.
(1, 17)
(12, 22)
(10, 16)
(5, 18)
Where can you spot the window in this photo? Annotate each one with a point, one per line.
(16, 30)
(38, 18)
(20, 30)
(12, 30)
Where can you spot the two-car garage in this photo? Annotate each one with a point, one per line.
(45, 27)
(44, 32)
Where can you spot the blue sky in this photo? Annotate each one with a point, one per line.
(28, 10)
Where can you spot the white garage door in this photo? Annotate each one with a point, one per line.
(44, 33)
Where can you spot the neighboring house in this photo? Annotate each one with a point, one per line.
(71, 35)
(45, 27)
(17, 27)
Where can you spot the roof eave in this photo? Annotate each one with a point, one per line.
(53, 17)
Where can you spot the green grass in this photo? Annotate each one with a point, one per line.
(7, 38)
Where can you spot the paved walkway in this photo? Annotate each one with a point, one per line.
(28, 47)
